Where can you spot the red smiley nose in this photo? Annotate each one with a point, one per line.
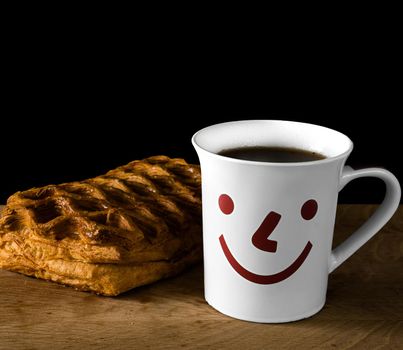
(260, 237)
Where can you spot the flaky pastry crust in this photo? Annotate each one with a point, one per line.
(134, 225)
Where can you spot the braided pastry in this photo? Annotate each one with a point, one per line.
(134, 225)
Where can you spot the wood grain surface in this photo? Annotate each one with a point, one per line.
(364, 308)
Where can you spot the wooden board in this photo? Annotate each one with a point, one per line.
(364, 308)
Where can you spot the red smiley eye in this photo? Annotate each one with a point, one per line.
(309, 209)
(226, 204)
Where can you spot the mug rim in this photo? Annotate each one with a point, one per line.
(277, 164)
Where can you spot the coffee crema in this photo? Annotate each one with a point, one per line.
(272, 154)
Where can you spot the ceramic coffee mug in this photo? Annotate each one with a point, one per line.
(288, 207)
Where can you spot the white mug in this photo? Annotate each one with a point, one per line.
(268, 227)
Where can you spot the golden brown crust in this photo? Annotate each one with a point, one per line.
(104, 279)
(136, 217)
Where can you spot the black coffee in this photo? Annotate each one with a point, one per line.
(272, 154)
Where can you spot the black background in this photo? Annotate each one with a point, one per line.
(77, 105)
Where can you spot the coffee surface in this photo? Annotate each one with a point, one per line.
(272, 154)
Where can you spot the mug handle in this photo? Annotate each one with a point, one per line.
(381, 216)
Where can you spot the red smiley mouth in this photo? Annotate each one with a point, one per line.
(261, 241)
(265, 279)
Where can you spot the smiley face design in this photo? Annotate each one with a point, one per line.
(260, 239)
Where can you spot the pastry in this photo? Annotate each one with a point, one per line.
(132, 226)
